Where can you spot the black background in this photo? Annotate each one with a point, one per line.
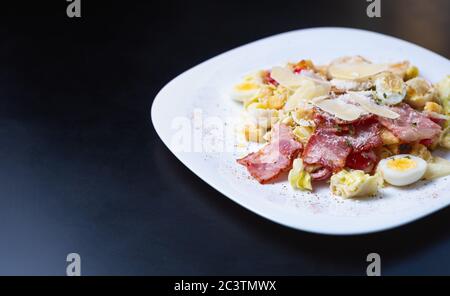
(82, 169)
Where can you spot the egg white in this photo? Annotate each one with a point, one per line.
(243, 95)
(248, 88)
(405, 177)
(386, 94)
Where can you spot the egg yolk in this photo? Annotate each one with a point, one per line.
(246, 86)
(393, 84)
(401, 164)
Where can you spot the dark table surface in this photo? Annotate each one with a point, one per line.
(82, 169)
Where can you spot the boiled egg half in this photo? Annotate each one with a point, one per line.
(390, 89)
(248, 88)
(403, 169)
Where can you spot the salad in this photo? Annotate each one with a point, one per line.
(355, 124)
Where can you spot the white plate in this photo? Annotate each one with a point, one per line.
(207, 86)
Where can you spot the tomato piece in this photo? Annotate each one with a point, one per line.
(268, 79)
(303, 65)
(298, 70)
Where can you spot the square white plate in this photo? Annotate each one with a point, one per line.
(200, 97)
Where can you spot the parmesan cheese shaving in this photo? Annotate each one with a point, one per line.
(368, 105)
(339, 108)
(288, 79)
(355, 71)
(307, 91)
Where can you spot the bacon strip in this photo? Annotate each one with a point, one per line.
(274, 158)
(336, 141)
(365, 137)
(412, 125)
(365, 161)
(327, 149)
